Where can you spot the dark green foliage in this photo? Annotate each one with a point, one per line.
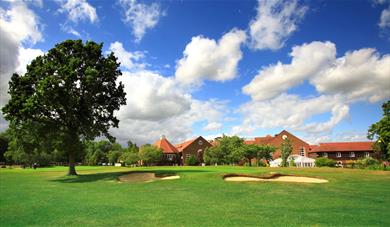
(69, 94)
(192, 161)
(381, 132)
(129, 158)
(324, 161)
(101, 152)
(228, 151)
(286, 149)
(150, 155)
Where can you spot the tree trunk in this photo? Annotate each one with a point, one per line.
(250, 161)
(72, 169)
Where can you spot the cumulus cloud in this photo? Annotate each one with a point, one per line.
(157, 105)
(275, 79)
(291, 111)
(276, 20)
(128, 60)
(26, 55)
(207, 59)
(359, 75)
(152, 97)
(78, 10)
(18, 25)
(140, 16)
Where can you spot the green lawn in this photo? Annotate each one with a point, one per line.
(46, 197)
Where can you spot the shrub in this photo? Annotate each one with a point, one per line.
(192, 161)
(367, 162)
(323, 161)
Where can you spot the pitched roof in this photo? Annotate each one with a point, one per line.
(165, 145)
(182, 146)
(342, 147)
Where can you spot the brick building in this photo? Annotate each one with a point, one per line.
(342, 152)
(195, 147)
(300, 147)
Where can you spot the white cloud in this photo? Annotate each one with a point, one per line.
(152, 97)
(21, 23)
(291, 112)
(158, 105)
(78, 10)
(207, 59)
(18, 25)
(26, 55)
(213, 126)
(275, 79)
(360, 75)
(276, 20)
(140, 16)
(128, 60)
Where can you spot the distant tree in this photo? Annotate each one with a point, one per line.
(249, 152)
(129, 158)
(69, 94)
(286, 149)
(381, 132)
(324, 161)
(4, 140)
(150, 155)
(230, 150)
(132, 147)
(264, 152)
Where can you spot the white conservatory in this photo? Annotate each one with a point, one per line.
(300, 161)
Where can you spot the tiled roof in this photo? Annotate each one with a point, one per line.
(182, 146)
(165, 145)
(342, 147)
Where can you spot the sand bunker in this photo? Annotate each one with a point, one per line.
(274, 177)
(145, 177)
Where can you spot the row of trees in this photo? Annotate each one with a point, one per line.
(26, 151)
(233, 150)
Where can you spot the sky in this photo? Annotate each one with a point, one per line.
(319, 69)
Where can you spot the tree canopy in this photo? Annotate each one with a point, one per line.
(66, 96)
(381, 131)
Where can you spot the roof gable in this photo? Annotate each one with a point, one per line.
(180, 147)
(165, 145)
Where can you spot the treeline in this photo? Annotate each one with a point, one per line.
(232, 150)
(26, 151)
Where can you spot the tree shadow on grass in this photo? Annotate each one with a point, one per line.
(110, 176)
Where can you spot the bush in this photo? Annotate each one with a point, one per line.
(192, 161)
(323, 161)
(367, 162)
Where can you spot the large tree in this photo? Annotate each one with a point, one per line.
(69, 94)
(381, 131)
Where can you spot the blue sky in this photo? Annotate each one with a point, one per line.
(320, 69)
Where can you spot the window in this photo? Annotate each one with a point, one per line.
(352, 154)
(325, 154)
(366, 154)
(170, 157)
(200, 142)
(302, 151)
(338, 154)
(188, 155)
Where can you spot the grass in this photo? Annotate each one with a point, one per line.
(45, 197)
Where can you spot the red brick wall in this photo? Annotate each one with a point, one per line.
(297, 144)
(194, 147)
